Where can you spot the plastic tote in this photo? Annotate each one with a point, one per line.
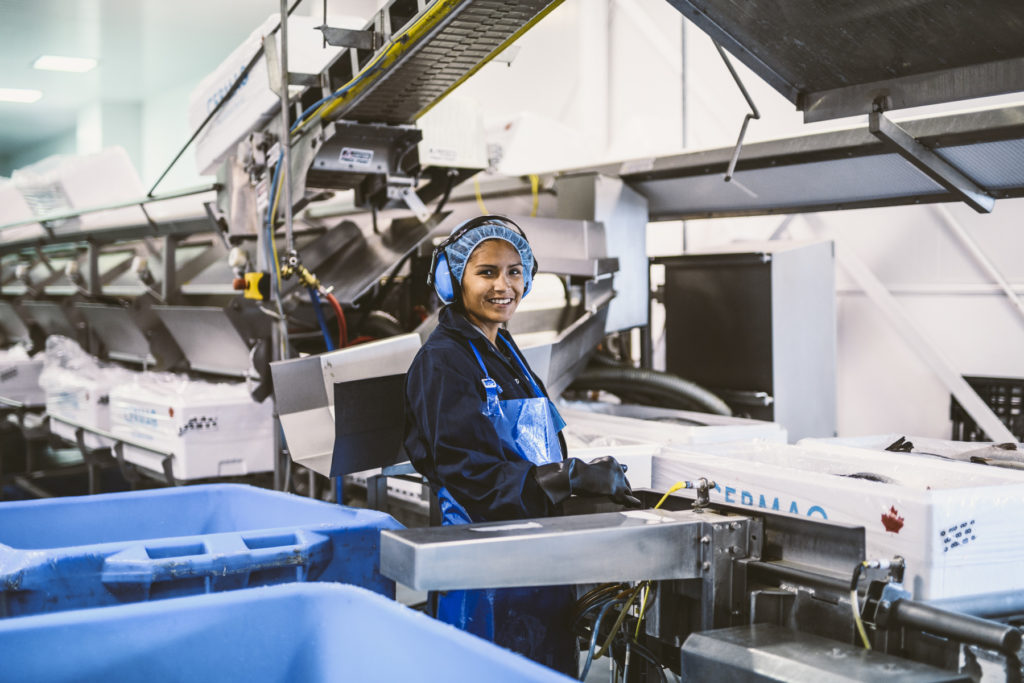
(297, 632)
(90, 551)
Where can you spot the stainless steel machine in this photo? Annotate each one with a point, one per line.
(716, 593)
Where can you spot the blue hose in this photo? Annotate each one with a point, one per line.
(315, 298)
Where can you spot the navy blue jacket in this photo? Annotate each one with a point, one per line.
(447, 437)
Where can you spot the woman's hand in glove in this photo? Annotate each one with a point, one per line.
(600, 477)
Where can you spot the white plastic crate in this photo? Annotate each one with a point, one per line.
(77, 388)
(707, 428)
(19, 376)
(957, 525)
(65, 182)
(14, 208)
(840, 446)
(84, 400)
(212, 430)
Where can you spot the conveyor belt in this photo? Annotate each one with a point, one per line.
(833, 59)
(467, 36)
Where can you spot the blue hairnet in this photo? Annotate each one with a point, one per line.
(458, 252)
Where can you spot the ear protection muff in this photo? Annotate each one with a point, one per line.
(440, 276)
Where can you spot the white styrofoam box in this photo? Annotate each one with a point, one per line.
(453, 134)
(253, 104)
(62, 183)
(213, 430)
(587, 442)
(19, 376)
(14, 208)
(84, 399)
(957, 525)
(707, 428)
(840, 446)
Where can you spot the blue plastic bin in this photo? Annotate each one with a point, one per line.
(296, 632)
(90, 551)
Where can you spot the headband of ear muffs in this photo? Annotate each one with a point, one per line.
(449, 259)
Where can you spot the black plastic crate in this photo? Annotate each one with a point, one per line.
(1004, 395)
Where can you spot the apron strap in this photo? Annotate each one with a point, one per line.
(479, 359)
(537, 393)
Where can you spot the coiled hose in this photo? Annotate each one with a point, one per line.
(650, 387)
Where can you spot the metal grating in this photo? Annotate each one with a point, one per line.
(473, 32)
(833, 58)
(994, 165)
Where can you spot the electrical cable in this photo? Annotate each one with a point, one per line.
(854, 604)
(593, 637)
(444, 197)
(535, 191)
(227, 96)
(479, 196)
(315, 298)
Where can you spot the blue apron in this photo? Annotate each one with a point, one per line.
(532, 621)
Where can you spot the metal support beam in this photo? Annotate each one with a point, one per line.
(344, 37)
(929, 163)
(94, 281)
(983, 260)
(169, 286)
(979, 411)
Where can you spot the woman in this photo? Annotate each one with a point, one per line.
(481, 429)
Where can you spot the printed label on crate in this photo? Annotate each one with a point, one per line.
(892, 520)
(145, 422)
(958, 535)
(355, 156)
(739, 496)
(199, 424)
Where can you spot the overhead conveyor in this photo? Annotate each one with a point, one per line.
(836, 59)
(429, 56)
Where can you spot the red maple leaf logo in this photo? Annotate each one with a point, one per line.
(892, 520)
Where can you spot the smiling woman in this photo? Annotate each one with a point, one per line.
(492, 286)
(481, 429)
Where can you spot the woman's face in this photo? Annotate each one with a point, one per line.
(492, 284)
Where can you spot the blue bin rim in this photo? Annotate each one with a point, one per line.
(224, 601)
(366, 514)
(170, 491)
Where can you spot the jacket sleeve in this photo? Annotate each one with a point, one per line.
(491, 482)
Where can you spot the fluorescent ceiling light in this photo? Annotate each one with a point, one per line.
(17, 95)
(75, 64)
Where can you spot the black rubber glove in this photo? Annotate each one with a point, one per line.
(600, 477)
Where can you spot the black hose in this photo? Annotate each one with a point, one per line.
(381, 325)
(667, 390)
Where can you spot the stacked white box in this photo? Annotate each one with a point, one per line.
(957, 525)
(14, 208)
(706, 428)
(84, 400)
(77, 388)
(253, 103)
(945, 448)
(63, 183)
(19, 376)
(212, 430)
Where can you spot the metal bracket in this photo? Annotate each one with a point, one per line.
(408, 195)
(927, 161)
(753, 114)
(344, 37)
(274, 68)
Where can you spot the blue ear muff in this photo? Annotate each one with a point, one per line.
(443, 280)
